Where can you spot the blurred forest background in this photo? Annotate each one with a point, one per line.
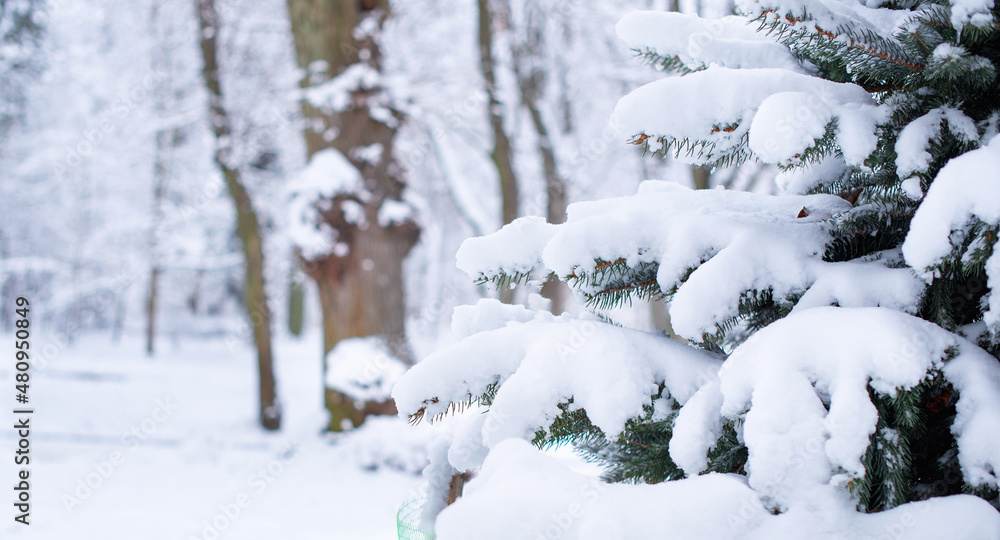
(252, 209)
(136, 183)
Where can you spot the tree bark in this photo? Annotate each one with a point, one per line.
(531, 81)
(296, 304)
(247, 224)
(361, 292)
(164, 138)
(502, 151)
(700, 175)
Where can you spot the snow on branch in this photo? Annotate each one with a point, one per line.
(966, 189)
(861, 35)
(912, 155)
(778, 115)
(697, 43)
(801, 387)
(543, 362)
(522, 494)
(703, 248)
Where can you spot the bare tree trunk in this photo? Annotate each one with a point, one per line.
(700, 175)
(361, 292)
(247, 224)
(502, 151)
(296, 304)
(531, 84)
(151, 297)
(159, 191)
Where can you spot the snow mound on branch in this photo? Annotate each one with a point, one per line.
(801, 387)
(912, 155)
(611, 372)
(363, 368)
(966, 187)
(801, 180)
(487, 314)
(786, 123)
(977, 426)
(327, 175)
(729, 41)
(520, 242)
(971, 12)
(522, 494)
(733, 241)
(831, 15)
(869, 283)
(729, 120)
(780, 371)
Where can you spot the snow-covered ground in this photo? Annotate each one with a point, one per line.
(128, 447)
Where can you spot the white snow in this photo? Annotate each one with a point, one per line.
(522, 494)
(966, 187)
(487, 314)
(393, 212)
(830, 15)
(363, 368)
(860, 284)
(544, 362)
(746, 242)
(518, 243)
(779, 377)
(327, 175)
(857, 134)
(336, 93)
(971, 12)
(976, 376)
(911, 186)
(371, 154)
(992, 315)
(785, 124)
(800, 180)
(728, 41)
(696, 429)
(799, 387)
(914, 139)
(946, 52)
(704, 107)
(185, 431)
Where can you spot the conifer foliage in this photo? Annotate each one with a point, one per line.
(842, 335)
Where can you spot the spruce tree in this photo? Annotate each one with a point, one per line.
(877, 257)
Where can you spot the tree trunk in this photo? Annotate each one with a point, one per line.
(164, 138)
(151, 297)
(296, 304)
(700, 175)
(247, 224)
(502, 151)
(361, 291)
(531, 82)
